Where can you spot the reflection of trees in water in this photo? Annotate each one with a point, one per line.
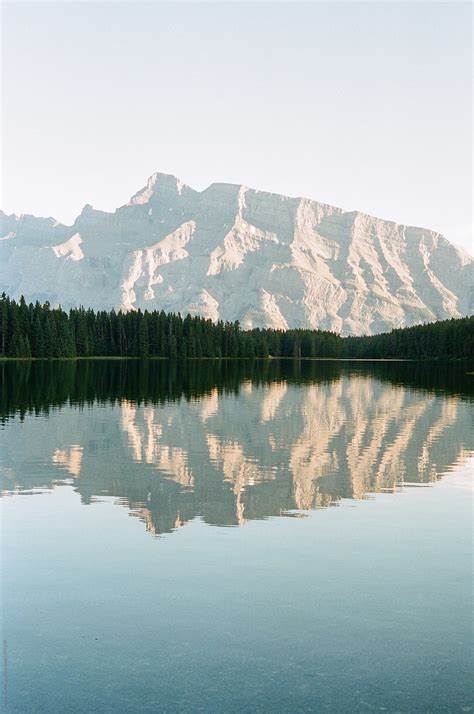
(42, 385)
(230, 441)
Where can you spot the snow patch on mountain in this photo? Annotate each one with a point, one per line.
(70, 249)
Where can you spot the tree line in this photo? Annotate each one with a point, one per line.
(41, 331)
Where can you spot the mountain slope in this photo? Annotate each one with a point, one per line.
(231, 253)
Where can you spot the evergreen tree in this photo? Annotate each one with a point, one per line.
(39, 331)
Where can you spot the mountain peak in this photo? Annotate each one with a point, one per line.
(158, 184)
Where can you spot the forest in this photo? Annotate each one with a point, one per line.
(42, 331)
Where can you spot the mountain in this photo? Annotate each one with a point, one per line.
(234, 253)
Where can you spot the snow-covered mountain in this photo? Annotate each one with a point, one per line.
(234, 253)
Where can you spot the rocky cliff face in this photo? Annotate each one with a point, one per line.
(234, 253)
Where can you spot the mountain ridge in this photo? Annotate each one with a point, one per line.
(159, 174)
(231, 252)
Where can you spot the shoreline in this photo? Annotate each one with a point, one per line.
(270, 358)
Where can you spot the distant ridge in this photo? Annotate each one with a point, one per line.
(233, 253)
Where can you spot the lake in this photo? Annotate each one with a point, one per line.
(211, 536)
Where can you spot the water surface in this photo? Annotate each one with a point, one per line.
(219, 536)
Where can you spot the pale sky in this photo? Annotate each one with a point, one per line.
(362, 105)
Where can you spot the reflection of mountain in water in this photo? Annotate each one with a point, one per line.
(260, 450)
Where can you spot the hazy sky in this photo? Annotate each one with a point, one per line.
(363, 105)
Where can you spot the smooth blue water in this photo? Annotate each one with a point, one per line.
(278, 542)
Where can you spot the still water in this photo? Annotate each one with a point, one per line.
(236, 537)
